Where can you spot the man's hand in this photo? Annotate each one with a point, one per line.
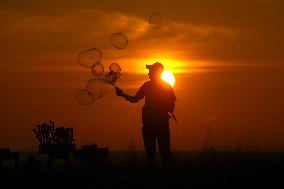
(119, 92)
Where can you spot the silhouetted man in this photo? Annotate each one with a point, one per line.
(159, 102)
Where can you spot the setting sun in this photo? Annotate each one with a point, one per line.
(168, 77)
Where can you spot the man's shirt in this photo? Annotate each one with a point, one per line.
(159, 100)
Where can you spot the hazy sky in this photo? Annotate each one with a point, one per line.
(227, 57)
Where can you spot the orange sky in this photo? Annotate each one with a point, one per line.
(227, 57)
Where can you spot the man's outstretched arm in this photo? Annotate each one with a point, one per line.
(133, 99)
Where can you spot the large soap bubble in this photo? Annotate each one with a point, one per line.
(98, 70)
(118, 40)
(83, 97)
(97, 88)
(155, 19)
(88, 58)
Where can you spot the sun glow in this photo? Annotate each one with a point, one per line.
(168, 77)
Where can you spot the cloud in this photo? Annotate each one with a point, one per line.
(58, 34)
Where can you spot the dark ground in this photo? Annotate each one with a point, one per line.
(189, 170)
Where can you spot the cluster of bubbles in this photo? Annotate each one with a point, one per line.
(101, 83)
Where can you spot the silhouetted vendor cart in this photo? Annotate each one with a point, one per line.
(55, 142)
(58, 143)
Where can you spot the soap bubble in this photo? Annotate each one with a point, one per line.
(114, 67)
(88, 58)
(112, 77)
(97, 88)
(83, 97)
(156, 20)
(98, 70)
(118, 40)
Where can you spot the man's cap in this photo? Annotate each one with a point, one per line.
(155, 66)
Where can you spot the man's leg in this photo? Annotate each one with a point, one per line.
(149, 144)
(164, 145)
